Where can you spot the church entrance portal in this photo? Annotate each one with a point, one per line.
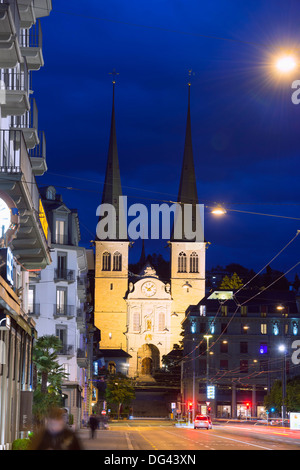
(149, 360)
(146, 366)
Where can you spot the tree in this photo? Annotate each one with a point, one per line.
(48, 375)
(231, 283)
(292, 402)
(119, 391)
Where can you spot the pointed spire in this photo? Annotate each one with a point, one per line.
(188, 188)
(112, 189)
(187, 193)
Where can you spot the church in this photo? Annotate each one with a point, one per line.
(139, 313)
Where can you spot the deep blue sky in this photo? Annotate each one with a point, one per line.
(245, 128)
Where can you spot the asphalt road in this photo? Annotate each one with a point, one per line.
(156, 436)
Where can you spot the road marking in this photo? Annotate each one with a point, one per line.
(243, 442)
(129, 443)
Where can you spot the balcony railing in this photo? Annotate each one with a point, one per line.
(32, 37)
(16, 86)
(67, 350)
(64, 275)
(28, 122)
(34, 310)
(64, 311)
(38, 155)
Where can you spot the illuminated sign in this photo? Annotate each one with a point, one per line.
(294, 420)
(210, 391)
(43, 219)
(4, 321)
(7, 268)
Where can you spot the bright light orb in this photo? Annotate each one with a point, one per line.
(286, 64)
(218, 211)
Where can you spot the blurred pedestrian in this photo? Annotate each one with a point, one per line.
(93, 423)
(55, 435)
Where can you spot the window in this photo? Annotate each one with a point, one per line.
(224, 310)
(61, 263)
(202, 310)
(193, 327)
(223, 364)
(136, 322)
(263, 328)
(51, 193)
(61, 333)
(161, 321)
(224, 347)
(244, 310)
(263, 349)
(31, 299)
(61, 300)
(263, 310)
(244, 347)
(60, 232)
(182, 263)
(194, 263)
(224, 327)
(117, 262)
(244, 366)
(106, 261)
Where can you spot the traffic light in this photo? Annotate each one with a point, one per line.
(208, 409)
(190, 405)
(247, 405)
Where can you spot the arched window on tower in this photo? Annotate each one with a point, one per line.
(106, 261)
(194, 263)
(182, 262)
(117, 262)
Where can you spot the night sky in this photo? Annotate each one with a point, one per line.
(246, 137)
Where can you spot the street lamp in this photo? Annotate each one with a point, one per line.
(282, 348)
(286, 64)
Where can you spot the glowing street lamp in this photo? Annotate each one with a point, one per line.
(219, 211)
(286, 64)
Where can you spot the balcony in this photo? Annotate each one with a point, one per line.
(67, 275)
(66, 350)
(42, 8)
(82, 359)
(64, 311)
(28, 123)
(38, 156)
(27, 13)
(34, 310)
(10, 53)
(81, 319)
(16, 84)
(31, 42)
(18, 181)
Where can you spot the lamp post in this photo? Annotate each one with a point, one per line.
(282, 348)
(207, 337)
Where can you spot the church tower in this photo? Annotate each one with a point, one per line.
(111, 259)
(187, 255)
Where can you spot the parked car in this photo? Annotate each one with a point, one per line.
(202, 421)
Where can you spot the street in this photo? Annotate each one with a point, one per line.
(164, 436)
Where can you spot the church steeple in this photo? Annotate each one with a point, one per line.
(112, 189)
(188, 188)
(112, 185)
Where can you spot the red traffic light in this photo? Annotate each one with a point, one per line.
(190, 405)
(248, 405)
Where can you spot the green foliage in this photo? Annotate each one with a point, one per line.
(119, 391)
(49, 376)
(21, 444)
(231, 283)
(292, 402)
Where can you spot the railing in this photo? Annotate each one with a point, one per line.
(63, 310)
(66, 350)
(32, 37)
(39, 150)
(34, 310)
(64, 275)
(16, 80)
(29, 120)
(14, 9)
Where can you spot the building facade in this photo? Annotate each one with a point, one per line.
(233, 345)
(24, 233)
(139, 312)
(58, 302)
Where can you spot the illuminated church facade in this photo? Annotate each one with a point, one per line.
(140, 313)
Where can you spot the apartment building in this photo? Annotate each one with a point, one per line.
(235, 347)
(59, 305)
(24, 234)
